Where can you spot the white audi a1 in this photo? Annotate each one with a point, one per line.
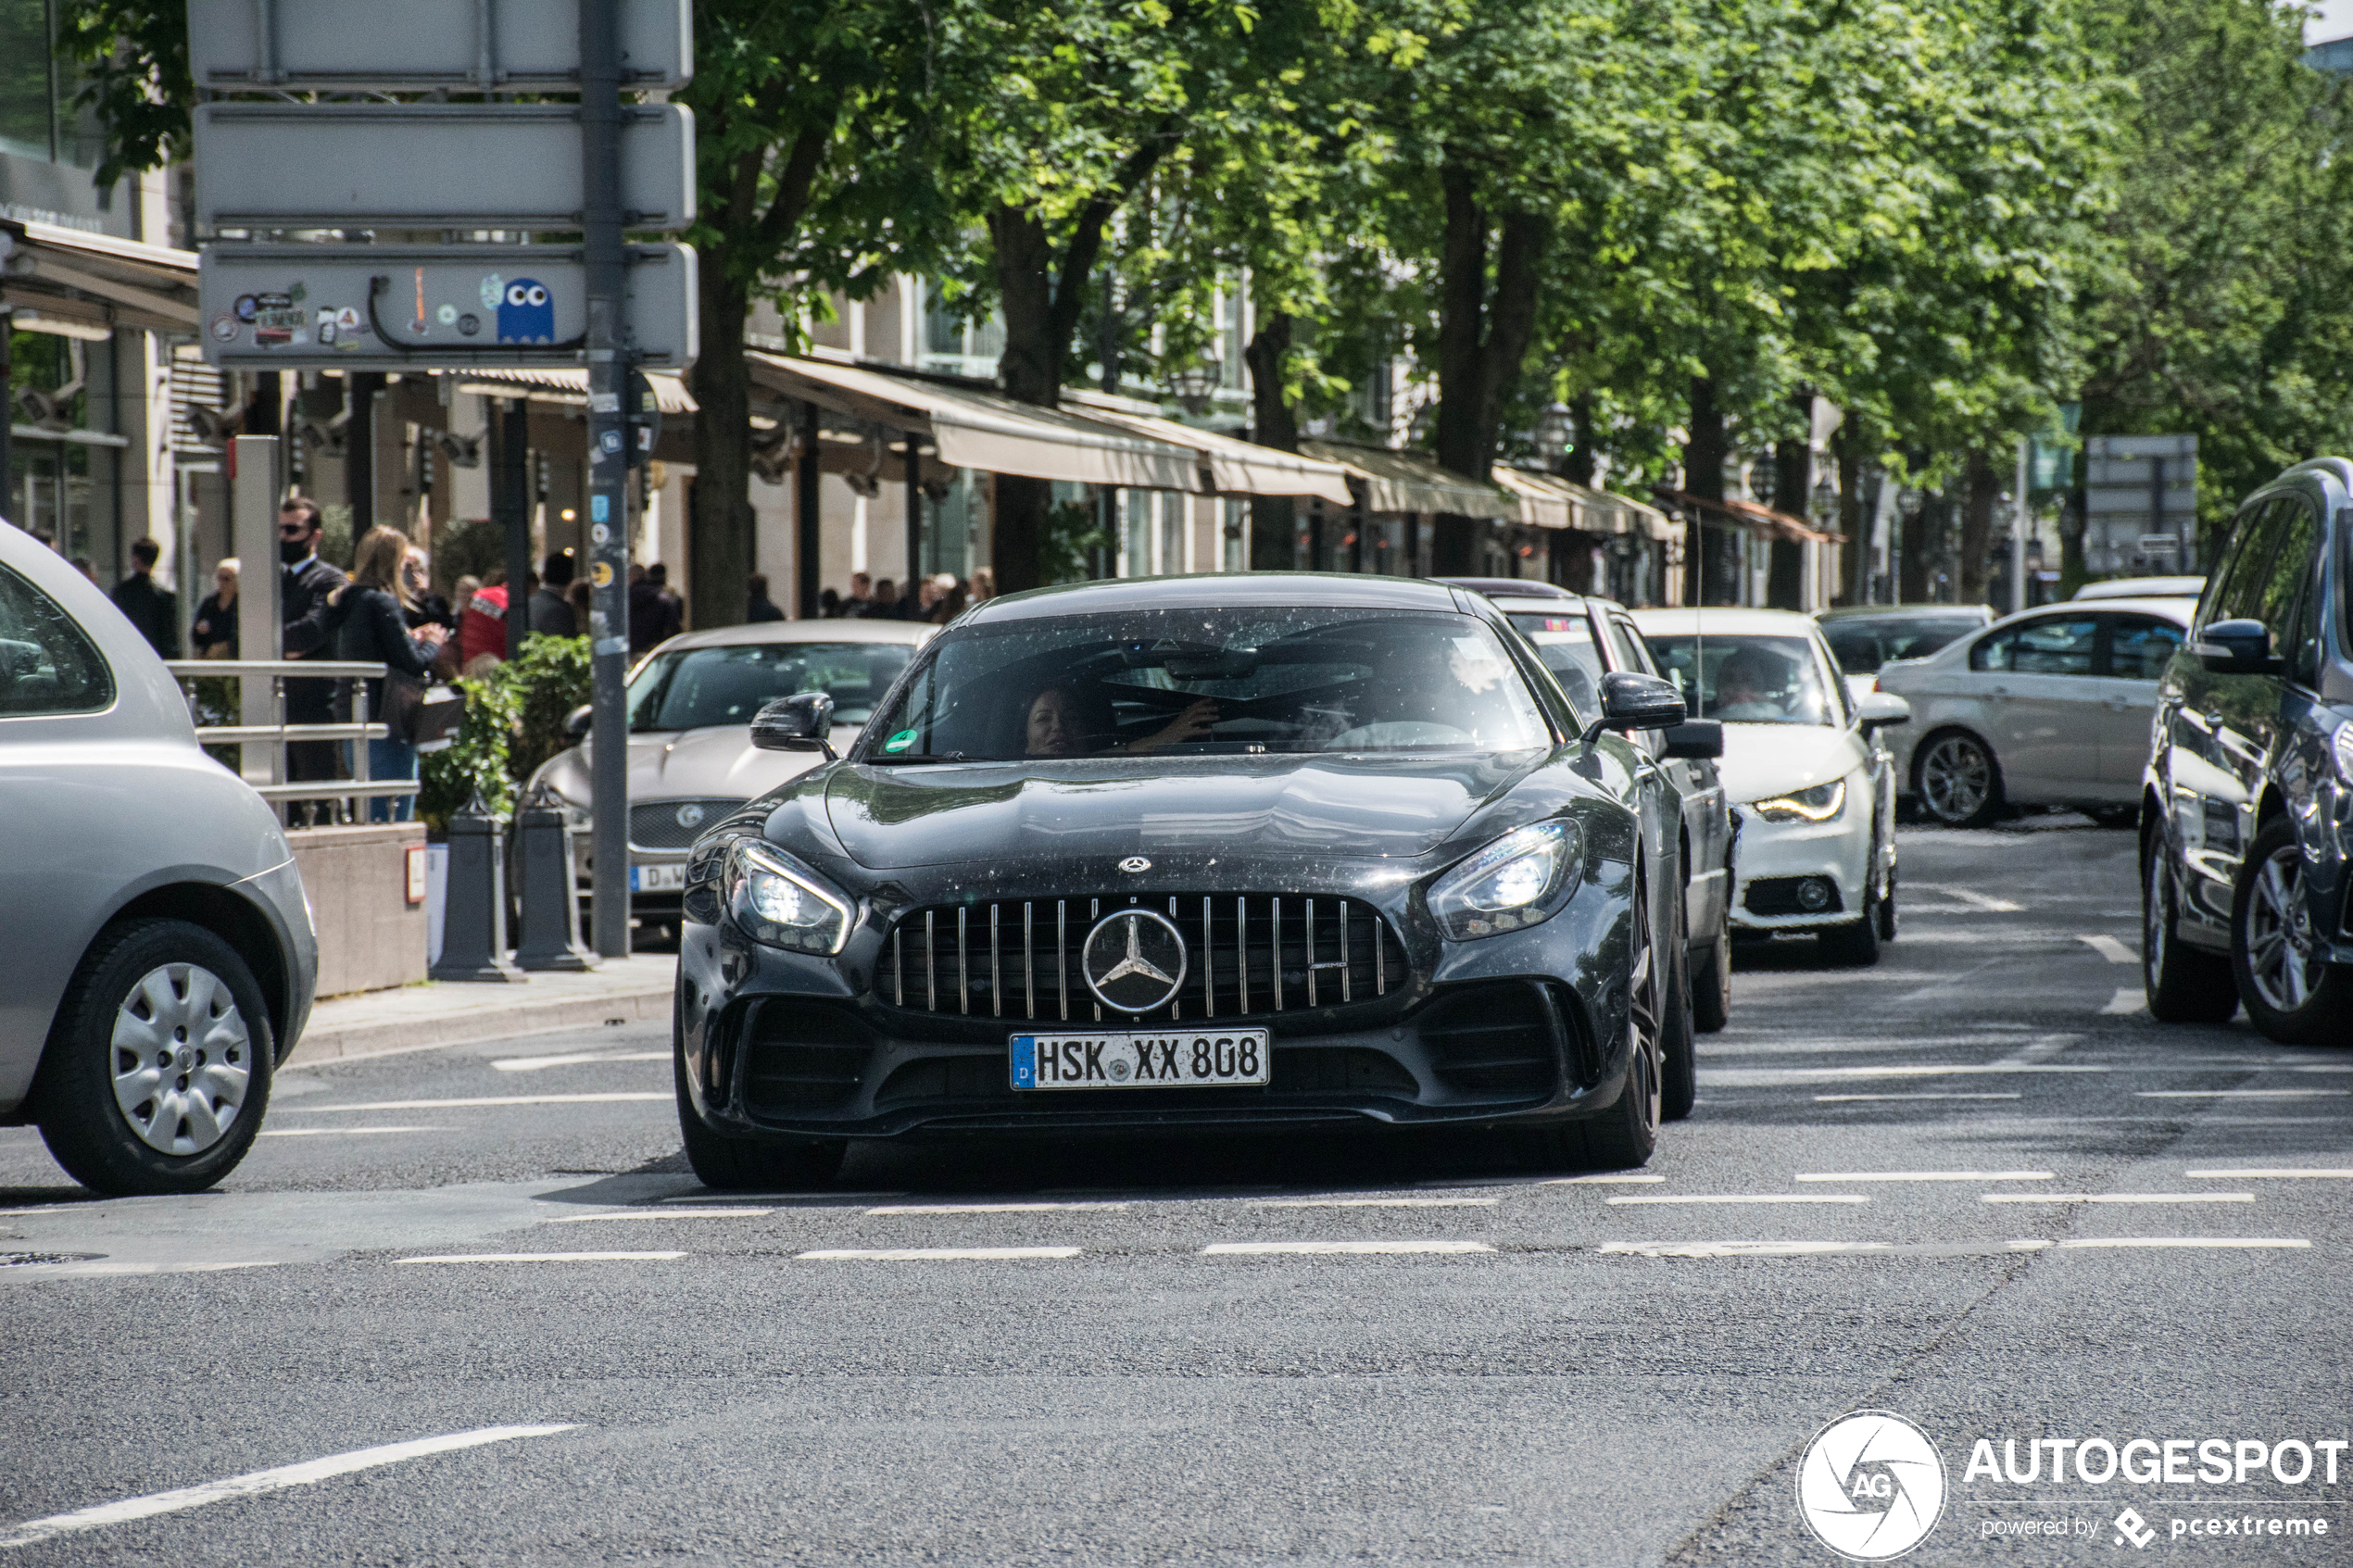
(1812, 786)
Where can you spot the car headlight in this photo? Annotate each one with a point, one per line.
(772, 899)
(1817, 805)
(1521, 879)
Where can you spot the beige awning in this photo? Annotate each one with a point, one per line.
(1748, 514)
(76, 277)
(1398, 481)
(1236, 466)
(564, 385)
(1547, 502)
(975, 429)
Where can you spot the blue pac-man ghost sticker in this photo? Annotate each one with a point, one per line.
(526, 313)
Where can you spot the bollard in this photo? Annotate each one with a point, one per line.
(475, 899)
(548, 932)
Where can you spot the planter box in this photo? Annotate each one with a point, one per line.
(371, 936)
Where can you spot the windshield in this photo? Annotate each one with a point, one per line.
(1565, 642)
(1203, 681)
(692, 688)
(1861, 644)
(1749, 679)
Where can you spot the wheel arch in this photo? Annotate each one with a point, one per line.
(234, 919)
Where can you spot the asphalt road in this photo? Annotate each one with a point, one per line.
(1501, 1367)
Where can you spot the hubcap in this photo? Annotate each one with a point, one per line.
(182, 1059)
(2279, 933)
(1956, 778)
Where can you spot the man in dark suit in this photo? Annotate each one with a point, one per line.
(550, 608)
(149, 606)
(310, 622)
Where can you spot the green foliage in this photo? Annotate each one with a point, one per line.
(513, 722)
(548, 681)
(133, 56)
(334, 535)
(1073, 528)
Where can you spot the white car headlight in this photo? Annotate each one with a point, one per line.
(779, 903)
(1521, 879)
(1817, 805)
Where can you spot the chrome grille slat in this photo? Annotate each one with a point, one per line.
(963, 979)
(1278, 950)
(1345, 996)
(1062, 954)
(1208, 961)
(1311, 952)
(1028, 958)
(996, 995)
(931, 966)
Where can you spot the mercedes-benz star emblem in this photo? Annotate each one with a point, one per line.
(1134, 961)
(1135, 863)
(690, 815)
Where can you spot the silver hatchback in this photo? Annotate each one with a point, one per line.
(156, 954)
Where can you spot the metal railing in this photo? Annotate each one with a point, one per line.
(270, 782)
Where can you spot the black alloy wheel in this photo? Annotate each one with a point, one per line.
(764, 1164)
(1678, 1052)
(1712, 979)
(1623, 1137)
(2292, 992)
(1956, 780)
(2183, 984)
(158, 1065)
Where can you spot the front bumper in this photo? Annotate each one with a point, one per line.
(1774, 856)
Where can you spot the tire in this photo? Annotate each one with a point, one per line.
(1678, 1051)
(767, 1164)
(1623, 1137)
(2183, 984)
(1856, 944)
(1712, 983)
(157, 1069)
(1956, 780)
(2294, 997)
(1887, 909)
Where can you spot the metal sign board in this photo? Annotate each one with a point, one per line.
(489, 45)
(377, 308)
(430, 166)
(2140, 501)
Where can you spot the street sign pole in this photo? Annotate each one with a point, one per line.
(2022, 519)
(608, 371)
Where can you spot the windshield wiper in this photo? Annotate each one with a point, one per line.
(917, 756)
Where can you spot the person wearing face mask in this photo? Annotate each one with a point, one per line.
(305, 602)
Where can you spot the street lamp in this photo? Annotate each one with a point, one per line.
(1555, 429)
(1196, 386)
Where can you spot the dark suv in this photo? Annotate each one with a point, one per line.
(2247, 819)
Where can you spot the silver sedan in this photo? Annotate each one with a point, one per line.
(2048, 707)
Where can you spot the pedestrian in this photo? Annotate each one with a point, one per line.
(481, 625)
(214, 633)
(883, 605)
(644, 611)
(830, 606)
(950, 602)
(674, 609)
(984, 584)
(549, 610)
(374, 607)
(924, 599)
(861, 602)
(308, 621)
(580, 598)
(758, 607)
(149, 606)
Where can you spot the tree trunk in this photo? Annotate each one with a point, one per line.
(1977, 527)
(720, 525)
(1482, 342)
(1793, 476)
(1274, 519)
(1032, 371)
(1703, 477)
(1855, 555)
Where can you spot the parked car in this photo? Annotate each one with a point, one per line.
(156, 954)
(1811, 784)
(1272, 850)
(1581, 641)
(2048, 707)
(2144, 588)
(1863, 639)
(691, 759)
(2245, 840)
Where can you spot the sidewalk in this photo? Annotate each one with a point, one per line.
(632, 989)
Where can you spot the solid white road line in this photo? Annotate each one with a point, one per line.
(1599, 1181)
(338, 1132)
(1766, 1077)
(1801, 1248)
(936, 1254)
(660, 1214)
(1349, 1248)
(544, 1258)
(2251, 1174)
(2116, 1198)
(2110, 949)
(2242, 1094)
(2081, 1244)
(1752, 1198)
(1377, 1203)
(985, 1208)
(1843, 1099)
(480, 1100)
(2128, 999)
(572, 1059)
(1923, 1176)
(256, 1482)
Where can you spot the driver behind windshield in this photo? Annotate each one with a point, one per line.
(1748, 688)
(1062, 723)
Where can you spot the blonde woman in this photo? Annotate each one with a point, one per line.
(373, 628)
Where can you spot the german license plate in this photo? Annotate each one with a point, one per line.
(657, 879)
(1189, 1059)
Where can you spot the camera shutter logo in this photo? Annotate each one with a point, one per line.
(1870, 1486)
(1133, 961)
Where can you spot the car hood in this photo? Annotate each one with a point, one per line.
(1304, 807)
(719, 763)
(1764, 761)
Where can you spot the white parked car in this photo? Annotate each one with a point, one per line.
(2051, 707)
(1811, 786)
(2143, 588)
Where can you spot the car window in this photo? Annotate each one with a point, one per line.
(2139, 645)
(2302, 649)
(1862, 644)
(1565, 642)
(698, 688)
(2243, 577)
(1202, 681)
(47, 663)
(2272, 594)
(1750, 680)
(1632, 639)
(2058, 644)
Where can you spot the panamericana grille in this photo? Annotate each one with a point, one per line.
(1247, 954)
(654, 824)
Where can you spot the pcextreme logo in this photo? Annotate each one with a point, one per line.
(1870, 1485)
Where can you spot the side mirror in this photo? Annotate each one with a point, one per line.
(2237, 647)
(1876, 711)
(799, 722)
(1636, 702)
(1696, 740)
(579, 722)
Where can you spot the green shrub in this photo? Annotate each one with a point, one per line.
(514, 721)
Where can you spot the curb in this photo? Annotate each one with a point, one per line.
(330, 1042)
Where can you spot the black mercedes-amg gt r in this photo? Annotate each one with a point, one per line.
(1265, 850)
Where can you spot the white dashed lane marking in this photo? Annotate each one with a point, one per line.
(2117, 1197)
(1924, 1176)
(2242, 1094)
(2083, 1243)
(572, 1059)
(660, 1214)
(935, 1254)
(2128, 999)
(985, 1208)
(1843, 1100)
(1377, 1203)
(481, 1100)
(544, 1258)
(2110, 949)
(1813, 1249)
(1750, 1198)
(1971, 899)
(1343, 1249)
(1599, 1181)
(2341, 1175)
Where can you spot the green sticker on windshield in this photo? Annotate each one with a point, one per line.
(900, 741)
